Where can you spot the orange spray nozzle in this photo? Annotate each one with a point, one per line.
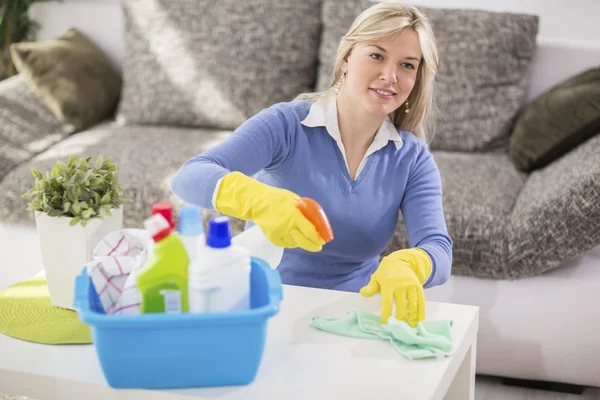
(315, 214)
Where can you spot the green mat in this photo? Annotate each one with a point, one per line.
(26, 313)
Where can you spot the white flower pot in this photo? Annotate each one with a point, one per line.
(66, 249)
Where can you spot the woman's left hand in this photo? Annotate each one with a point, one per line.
(400, 277)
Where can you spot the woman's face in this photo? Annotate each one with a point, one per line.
(380, 74)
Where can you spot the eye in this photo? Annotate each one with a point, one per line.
(376, 56)
(408, 65)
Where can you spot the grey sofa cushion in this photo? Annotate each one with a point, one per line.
(557, 215)
(146, 158)
(27, 127)
(479, 193)
(485, 57)
(215, 63)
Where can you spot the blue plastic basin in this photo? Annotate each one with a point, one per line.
(157, 351)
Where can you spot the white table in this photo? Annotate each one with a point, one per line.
(299, 362)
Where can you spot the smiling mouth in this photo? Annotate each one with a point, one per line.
(384, 94)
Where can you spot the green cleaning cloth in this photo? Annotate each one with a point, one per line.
(26, 313)
(429, 339)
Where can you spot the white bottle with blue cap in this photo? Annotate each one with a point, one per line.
(219, 277)
(191, 230)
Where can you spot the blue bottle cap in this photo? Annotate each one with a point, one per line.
(190, 221)
(219, 233)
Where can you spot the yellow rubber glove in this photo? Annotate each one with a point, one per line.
(400, 277)
(273, 209)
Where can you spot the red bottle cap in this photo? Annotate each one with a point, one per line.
(166, 210)
(158, 227)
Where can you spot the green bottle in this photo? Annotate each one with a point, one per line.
(163, 279)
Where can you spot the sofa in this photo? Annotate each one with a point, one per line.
(525, 220)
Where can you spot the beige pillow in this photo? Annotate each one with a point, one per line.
(72, 76)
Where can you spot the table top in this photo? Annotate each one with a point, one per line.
(299, 361)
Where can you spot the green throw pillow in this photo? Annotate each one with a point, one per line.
(72, 76)
(557, 121)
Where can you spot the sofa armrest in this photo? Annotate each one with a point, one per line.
(557, 215)
(26, 125)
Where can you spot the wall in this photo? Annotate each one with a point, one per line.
(99, 19)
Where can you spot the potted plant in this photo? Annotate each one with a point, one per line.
(75, 205)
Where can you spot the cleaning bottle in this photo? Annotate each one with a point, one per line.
(219, 277)
(254, 240)
(191, 230)
(163, 279)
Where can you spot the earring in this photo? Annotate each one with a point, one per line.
(339, 84)
(407, 109)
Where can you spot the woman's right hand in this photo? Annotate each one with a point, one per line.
(273, 209)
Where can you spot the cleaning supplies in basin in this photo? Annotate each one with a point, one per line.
(162, 281)
(219, 277)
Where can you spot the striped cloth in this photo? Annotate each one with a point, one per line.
(113, 269)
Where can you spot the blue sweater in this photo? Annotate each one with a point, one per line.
(276, 148)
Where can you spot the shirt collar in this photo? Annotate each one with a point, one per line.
(323, 112)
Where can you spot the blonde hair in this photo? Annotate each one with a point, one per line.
(381, 21)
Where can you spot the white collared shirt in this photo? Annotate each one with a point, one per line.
(323, 112)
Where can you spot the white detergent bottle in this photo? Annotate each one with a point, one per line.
(191, 230)
(219, 277)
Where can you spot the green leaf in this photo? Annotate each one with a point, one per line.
(70, 194)
(84, 222)
(55, 213)
(72, 161)
(76, 207)
(88, 175)
(34, 206)
(105, 199)
(78, 177)
(77, 192)
(87, 214)
(66, 207)
(99, 162)
(37, 174)
(30, 193)
(74, 221)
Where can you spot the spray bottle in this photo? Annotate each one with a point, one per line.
(162, 280)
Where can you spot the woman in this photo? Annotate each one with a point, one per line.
(359, 149)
